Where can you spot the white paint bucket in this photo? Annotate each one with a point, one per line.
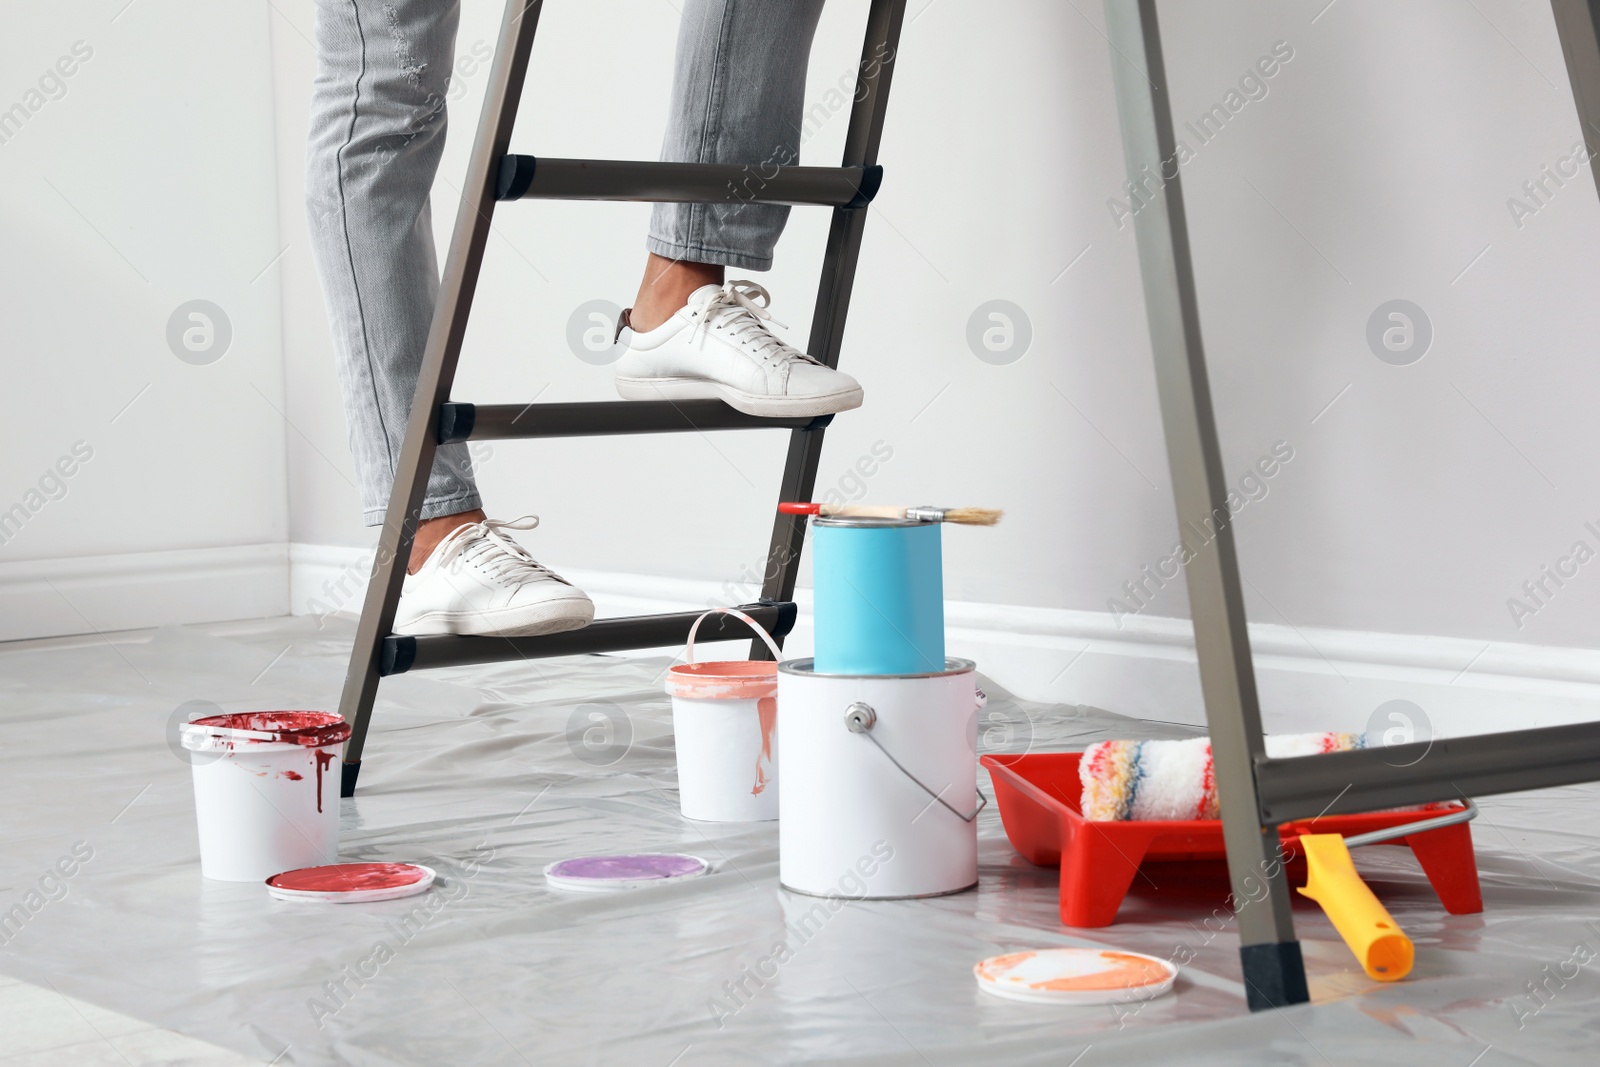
(266, 791)
(725, 725)
(880, 782)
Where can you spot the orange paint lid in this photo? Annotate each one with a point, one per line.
(1075, 976)
(724, 680)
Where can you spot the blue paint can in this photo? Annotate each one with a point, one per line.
(879, 596)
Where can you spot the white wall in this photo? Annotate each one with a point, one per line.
(597, 85)
(1378, 166)
(138, 183)
(324, 506)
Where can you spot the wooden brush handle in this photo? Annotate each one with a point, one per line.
(863, 511)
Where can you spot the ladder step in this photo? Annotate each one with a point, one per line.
(401, 652)
(501, 422)
(542, 178)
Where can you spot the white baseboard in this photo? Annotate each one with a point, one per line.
(87, 594)
(327, 579)
(1309, 679)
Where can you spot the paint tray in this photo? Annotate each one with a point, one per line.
(1038, 795)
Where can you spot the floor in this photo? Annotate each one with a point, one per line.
(41, 1026)
(135, 959)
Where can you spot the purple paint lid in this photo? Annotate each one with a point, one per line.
(608, 873)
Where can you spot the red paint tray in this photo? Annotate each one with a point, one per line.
(1038, 795)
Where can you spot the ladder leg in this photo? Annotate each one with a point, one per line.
(833, 293)
(1578, 26)
(1269, 954)
(437, 375)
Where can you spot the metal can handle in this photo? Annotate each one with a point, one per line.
(688, 652)
(861, 717)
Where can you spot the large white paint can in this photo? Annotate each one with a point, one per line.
(266, 791)
(880, 782)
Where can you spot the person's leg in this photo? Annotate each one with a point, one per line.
(377, 131)
(738, 96)
(667, 284)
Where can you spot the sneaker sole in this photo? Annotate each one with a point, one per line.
(532, 620)
(772, 407)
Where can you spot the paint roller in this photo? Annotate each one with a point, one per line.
(1382, 948)
(1167, 780)
(1174, 780)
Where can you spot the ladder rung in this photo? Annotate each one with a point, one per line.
(402, 652)
(499, 422)
(542, 178)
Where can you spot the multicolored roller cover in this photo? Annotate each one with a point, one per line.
(1173, 780)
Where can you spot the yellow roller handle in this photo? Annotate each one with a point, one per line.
(1367, 927)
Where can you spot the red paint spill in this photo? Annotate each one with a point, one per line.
(294, 776)
(767, 708)
(324, 759)
(348, 877)
(310, 728)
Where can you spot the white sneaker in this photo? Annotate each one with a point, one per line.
(480, 581)
(717, 347)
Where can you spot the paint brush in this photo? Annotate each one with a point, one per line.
(962, 516)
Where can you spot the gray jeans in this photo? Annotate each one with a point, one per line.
(377, 131)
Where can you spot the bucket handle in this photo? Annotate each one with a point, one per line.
(860, 718)
(688, 652)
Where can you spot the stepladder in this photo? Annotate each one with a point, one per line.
(1257, 793)
(495, 175)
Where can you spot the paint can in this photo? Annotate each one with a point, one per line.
(879, 596)
(724, 725)
(880, 782)
(266, 791)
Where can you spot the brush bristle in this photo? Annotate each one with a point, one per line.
(973, 516)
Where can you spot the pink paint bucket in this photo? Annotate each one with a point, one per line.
(266, 791)
(725, 728)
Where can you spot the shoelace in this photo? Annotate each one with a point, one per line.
(736, 311)
(481, 544)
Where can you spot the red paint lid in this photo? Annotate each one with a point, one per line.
(351, 883)
(314, 729)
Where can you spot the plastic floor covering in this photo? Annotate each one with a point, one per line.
(486, 774)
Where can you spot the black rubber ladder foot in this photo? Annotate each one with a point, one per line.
(347, 778)
(1274, 975)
